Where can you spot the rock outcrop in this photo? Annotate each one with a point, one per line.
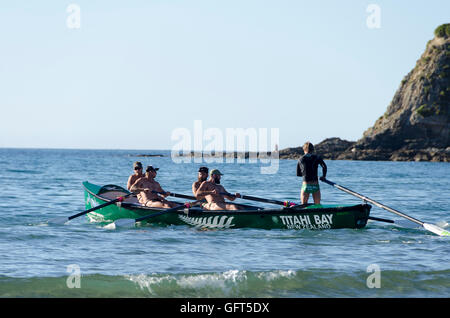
(416, 124)
(330, 149)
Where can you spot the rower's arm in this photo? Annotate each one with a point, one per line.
(129, 183)
(299, 169)
(162, 193)
(136, 187)
(195, 189)
(203, 191)
(229, 197)
(324, 167)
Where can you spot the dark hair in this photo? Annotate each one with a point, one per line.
(308, 147)
(150, 168)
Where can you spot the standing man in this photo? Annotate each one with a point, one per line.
(307, 167)
(146, 185)
(137, 166)
(202, 176)
(213, 191)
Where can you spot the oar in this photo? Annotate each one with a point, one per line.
(132, 222)
(64, 219)
(176, 195)
(427, 226)
(248, 197)
(402, 223)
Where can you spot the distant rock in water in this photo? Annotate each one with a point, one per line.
(150, 155)
(416, 125)
(329, 149)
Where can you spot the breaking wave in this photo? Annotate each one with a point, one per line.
(236, 283)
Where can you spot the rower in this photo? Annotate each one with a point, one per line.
(202, 176)
(307, 167)
(137, 167)
(147, 186)
(213, 192)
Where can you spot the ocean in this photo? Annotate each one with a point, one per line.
(82, 259)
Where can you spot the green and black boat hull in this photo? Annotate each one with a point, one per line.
(315, 217)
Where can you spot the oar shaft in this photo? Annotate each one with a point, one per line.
(92, 209)
(380, 219)
(373, 202)
(247, 197)
(177, 195)
(157, 213)
(164, 211)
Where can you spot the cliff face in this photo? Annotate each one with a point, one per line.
(416, 125)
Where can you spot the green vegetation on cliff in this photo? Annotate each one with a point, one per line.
(442, 31)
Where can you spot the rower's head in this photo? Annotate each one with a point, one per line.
(215, 175)
(151, 171)
(202, 173)
(308, 147)
(137, 166)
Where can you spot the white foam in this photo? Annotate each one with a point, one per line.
(110, 226)
(268, 276)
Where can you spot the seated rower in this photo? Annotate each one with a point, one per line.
(137, 167)
(212, 191)
(146, 185)
(202, 176)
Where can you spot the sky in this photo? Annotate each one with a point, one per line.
(129, 74)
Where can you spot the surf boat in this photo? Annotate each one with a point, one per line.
(309, 216)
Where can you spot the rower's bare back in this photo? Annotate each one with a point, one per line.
(211, 191)
(146, 188)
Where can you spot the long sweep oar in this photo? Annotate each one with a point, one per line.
(132, 222)
(247, 197)
(427, 226)
(64, 219)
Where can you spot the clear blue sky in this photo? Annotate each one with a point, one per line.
(136, 70)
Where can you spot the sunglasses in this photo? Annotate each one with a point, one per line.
(137, 168)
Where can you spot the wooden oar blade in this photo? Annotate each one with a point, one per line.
(436, 229)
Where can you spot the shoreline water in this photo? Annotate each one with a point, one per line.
(39, 185)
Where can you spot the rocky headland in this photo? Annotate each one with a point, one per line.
(416, 124)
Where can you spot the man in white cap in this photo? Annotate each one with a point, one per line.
(214, 193)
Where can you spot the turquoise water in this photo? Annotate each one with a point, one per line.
(36, 258)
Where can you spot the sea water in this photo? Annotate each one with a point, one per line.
(82, 259)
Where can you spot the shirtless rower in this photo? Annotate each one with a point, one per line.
(202, 176)
(211, 190)
(137, 166)
(146, 185)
